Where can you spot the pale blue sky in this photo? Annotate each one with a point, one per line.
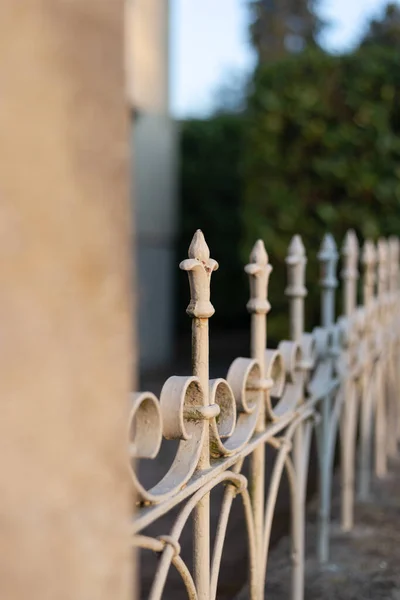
(209, 41)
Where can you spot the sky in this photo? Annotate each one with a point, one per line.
(209, 44)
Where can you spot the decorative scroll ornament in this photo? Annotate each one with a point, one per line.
(171, 418)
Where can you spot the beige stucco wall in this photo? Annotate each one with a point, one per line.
(65, 302)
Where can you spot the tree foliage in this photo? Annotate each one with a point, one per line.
(384, 31)
(322, 154)
(210, 192)
(279, 27)
(317, 150)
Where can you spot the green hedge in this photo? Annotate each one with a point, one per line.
(318, 150)
(322, 154)
(211, 195)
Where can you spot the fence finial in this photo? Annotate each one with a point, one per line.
(328, 258)
(296, 291)
(369, 262)
(396, 247)
(259, 271)
(393, 263)
(199, 266)
(383, 273)
(350, 252)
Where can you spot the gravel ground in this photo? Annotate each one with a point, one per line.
(364, 564)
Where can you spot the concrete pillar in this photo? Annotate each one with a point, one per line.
(155, 166)
(65, 302)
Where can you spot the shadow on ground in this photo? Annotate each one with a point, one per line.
(364, 564)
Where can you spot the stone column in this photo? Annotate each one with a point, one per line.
(65, 302)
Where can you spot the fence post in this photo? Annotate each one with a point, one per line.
(200, 266)
(380, 437)
(296, 292)
(365, 454)
(258, 306)
(350, 253)
(328, 258)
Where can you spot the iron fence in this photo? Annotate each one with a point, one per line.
(340, 378)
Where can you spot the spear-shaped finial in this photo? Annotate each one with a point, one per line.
(350, 252)
(296, 291)
(198, 248)
(383, 272)
(258, 306)
(369, 262)
(328, 258)
(259, 271)
(296, 261)
(199, 266)
(393, 246)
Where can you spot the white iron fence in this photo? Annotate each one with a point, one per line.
(341, 377)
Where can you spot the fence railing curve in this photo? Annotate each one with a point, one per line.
(342, 374)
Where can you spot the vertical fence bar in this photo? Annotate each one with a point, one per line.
(372, 335)
(393, 271)
(391, 375)
(397, 325)
(328, 258)
(258, 306)
(296, 292)
(365, 455)
(380, 436)
(349, 415)
(369, 263)
(350, 252)
(396, 287)
(200, 267)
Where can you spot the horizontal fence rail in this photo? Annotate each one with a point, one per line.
(341, 378)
